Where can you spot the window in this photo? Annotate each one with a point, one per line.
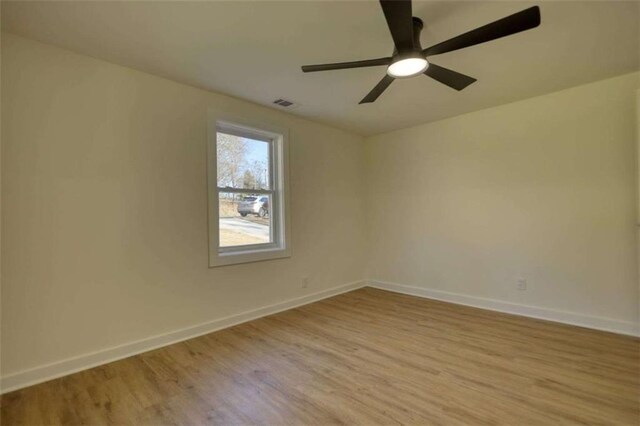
(248, 215)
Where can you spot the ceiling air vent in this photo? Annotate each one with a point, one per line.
(284, 103)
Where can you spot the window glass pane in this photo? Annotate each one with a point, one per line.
(244, 219)
(242, 162)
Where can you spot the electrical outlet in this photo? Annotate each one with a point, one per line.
(521, 284)
(305, 282)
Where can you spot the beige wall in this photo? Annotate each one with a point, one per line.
(104, 219)
(638, 184)
(542, 189)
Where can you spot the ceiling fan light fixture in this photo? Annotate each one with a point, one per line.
(408, 67)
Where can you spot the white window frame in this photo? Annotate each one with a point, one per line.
(278, 139)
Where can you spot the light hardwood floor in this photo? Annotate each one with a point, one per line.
(365, 357)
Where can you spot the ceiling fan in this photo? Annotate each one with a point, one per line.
(409, 59)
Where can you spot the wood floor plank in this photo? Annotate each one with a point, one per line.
(364, 357)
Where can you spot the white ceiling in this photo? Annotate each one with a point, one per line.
(253, 50)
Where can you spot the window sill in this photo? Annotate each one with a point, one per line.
(249, 256)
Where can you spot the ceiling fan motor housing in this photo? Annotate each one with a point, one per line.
(418, 25)
(409, 61)
(416, 50)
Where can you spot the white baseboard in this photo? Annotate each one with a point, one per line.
(572, 318)
(68, 366)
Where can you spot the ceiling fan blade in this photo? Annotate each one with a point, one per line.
(377, 91)
(398, 15)
(347, 65)
(521, 21)
(453, 79)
